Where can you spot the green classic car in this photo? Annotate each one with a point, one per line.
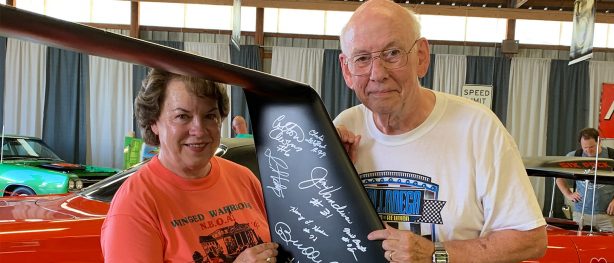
(29, 167)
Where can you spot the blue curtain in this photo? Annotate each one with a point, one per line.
(249, 57)
(335, 93)
(64, 116)
(482, 70)
(2, 70)
(568, 106)
(427, 80)
(138, 75)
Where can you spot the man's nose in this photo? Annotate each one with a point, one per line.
(378, 70)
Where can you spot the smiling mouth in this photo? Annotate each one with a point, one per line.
(381, 92)
(195, 145)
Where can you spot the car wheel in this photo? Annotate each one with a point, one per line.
(21, 191)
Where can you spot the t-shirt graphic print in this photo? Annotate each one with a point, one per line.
(225, 244)
(404, 198)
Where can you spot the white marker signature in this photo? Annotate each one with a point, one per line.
(318, 179)
(285, 233)
(278, 166)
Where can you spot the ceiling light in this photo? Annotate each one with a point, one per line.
(453, 4)
(468, 4)
(422, 2)
(530, 7)
(437, 3)
(484, 5)
(561, 9)
(407, 2)
(499, 6)
(545, 8)
(607, 11)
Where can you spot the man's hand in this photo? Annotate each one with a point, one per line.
(610, 210)
(350, 141)
(263, 253)
(403, 245)
(574, 197)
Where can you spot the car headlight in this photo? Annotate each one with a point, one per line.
(79, 184)
(75, 184)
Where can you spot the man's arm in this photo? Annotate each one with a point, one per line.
(562, 185)
(498, 246)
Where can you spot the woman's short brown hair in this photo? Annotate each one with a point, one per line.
(148, 102)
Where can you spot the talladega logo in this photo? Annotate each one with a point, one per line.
(403, 196)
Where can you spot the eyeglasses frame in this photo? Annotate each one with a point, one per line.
(347, 61)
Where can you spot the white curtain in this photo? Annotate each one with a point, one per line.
(599, 72)
(527, 117)
(450, 72)
(110, 111)
(299, 64)
(24, 92)
(220, 52)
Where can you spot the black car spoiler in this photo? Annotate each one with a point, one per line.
(574, 168)
(299, 152)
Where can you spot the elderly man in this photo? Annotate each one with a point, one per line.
(438, 167)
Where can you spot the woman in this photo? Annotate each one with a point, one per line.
(186, 205)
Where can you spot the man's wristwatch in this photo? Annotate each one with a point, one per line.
(440, 255)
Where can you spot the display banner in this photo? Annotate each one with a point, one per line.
(583, 30)
(478, 93)
(235, 38)
(606, 123)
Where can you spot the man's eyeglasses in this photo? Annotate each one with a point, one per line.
(393, 58)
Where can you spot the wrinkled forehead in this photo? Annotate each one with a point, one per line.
(377, 26)
(376, 35)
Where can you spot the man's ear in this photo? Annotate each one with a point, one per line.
(347, 76)
(424, 57)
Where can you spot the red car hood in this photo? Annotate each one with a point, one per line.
(50, 208)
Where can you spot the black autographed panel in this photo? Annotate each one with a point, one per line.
(317, 208)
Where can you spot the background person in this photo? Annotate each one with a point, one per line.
(457, 148)
(604, 194)
(174, 207)
(239, 126)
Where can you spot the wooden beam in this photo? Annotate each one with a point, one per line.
(448, 10)
(511, 29)
(259, 26)
(134, 20)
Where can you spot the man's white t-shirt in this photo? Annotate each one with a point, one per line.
(459, 173)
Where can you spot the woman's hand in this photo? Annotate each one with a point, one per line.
(263, 253)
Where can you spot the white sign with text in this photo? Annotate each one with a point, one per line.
(478, 93)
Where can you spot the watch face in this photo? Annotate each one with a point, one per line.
(440, 255)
